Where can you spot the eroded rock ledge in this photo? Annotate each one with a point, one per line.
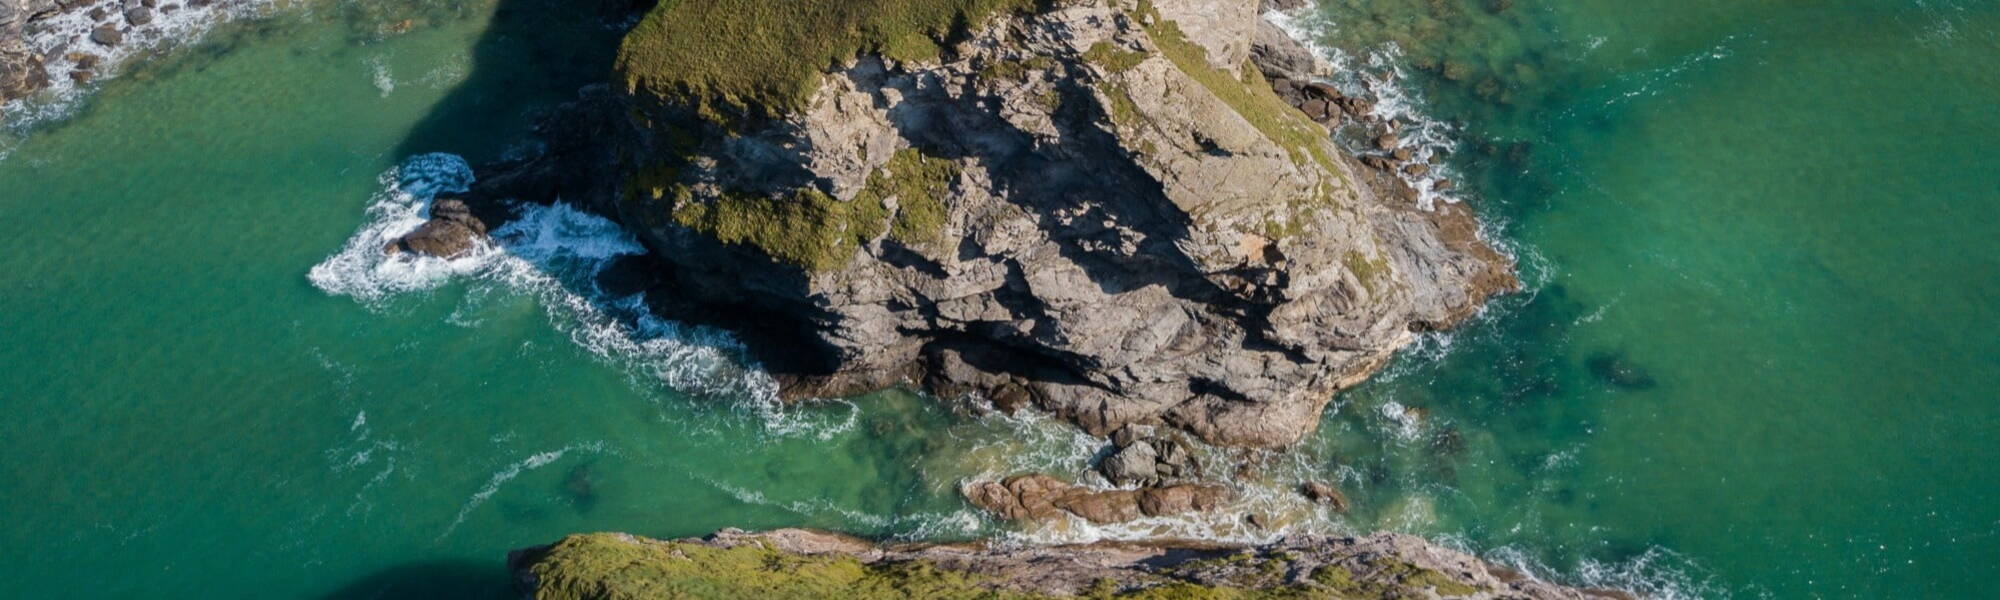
(795, 563)
(1120, 211)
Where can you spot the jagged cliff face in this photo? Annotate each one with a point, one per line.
(1098, 207)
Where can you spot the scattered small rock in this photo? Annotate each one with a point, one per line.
(1322, 493)
(107, 35)
(139, 16)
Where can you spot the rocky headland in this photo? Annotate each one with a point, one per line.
(795, 563)
(1123, 212)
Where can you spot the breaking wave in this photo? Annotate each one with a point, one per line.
(554, 253)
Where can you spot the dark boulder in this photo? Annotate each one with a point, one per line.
(107, 35)
(452, 231)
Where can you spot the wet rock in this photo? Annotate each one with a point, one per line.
(1038, 497)
(21, 74)
(139, 16)
(1257, 520)
(1320, 492)
(452, 231)
(1183, 498)
(1387, 142)
(629, 274)
(1132, 465)
(1417, 170)
(107, 35)
(1147, 457)
(1404, 154)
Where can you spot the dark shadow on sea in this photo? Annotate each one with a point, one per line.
(430, 579)
(533, 56)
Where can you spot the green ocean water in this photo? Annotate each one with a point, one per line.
(1756, 357)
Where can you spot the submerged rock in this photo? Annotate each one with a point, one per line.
(1321, 493)
(797, 563)
(1614, 369)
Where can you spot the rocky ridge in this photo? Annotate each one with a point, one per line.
(794, 563)
(1120, 211)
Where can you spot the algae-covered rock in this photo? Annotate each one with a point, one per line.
(793, 563)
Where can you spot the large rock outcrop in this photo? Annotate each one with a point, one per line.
(1100, 207)
(21, 70)
(794, 563)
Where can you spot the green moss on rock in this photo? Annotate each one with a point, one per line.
(731, 60)
(618, 567)
(919, 183)
(807, 228)
(608, 566)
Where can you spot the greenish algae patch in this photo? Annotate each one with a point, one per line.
(608, 566)
(616, 567)
(919, 183)
(1369, 271)
(1113, 58)
(731, 60)
(807, 228)
(1248, 95)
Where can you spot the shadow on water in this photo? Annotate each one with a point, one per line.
(430, 579)
(533, 55)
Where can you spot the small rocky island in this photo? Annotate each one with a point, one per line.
(1128, 213)
(1123, 212)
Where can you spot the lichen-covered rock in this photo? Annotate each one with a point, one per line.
(1097, 206)
(794, 563)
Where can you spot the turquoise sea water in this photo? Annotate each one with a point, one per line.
(1756, 357)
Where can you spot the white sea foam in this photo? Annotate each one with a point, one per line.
(1379, 73)
(508, 473)
(380, 74)
(553, 253)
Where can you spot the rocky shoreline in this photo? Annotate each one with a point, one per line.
(54, 45)
(796, 563)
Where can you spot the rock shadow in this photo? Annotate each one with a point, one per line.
(425, 580)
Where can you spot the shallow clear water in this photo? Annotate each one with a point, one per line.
(1759, 346)
(1756, 357)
